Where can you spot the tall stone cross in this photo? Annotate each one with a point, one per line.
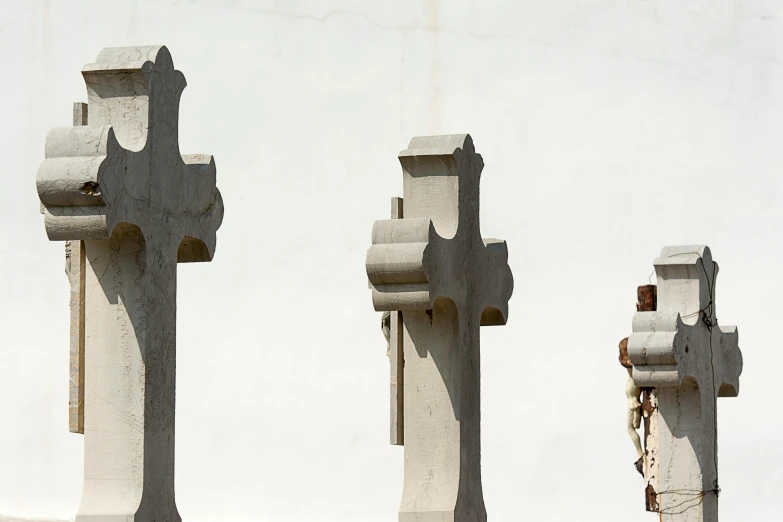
(120, 185)
(435, 267)
(690, 360)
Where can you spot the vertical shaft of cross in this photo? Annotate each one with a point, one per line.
(75, 269)
(129, 431)
(686, 414)
(436, 397)
(396, 361)
(429, 414)
(442, 391)
(686, 442)
(160, 361)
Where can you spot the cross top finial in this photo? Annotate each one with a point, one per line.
(125, 166)
(137, 91)
(450, 167)
(686, 282)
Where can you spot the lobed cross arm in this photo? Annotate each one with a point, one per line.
(682, 339)
(395, 264)
(437, 249)
(108, 172)
(497, 283)
(727, 360)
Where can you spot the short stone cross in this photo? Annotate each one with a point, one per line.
(690, 360)
(120, 185)
(434, 266)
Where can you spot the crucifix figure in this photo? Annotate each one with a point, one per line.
(119, 187)
(690, 360)
(434, 266)
(646, 301)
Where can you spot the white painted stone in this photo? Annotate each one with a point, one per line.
(121, 185)
(691, 360)
(434, 266)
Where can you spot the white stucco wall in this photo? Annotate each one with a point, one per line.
(608, 128)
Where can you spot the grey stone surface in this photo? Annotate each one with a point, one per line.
(120, 185)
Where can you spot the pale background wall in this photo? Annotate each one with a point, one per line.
(609, 129)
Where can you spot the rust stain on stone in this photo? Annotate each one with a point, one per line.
(647, 298)
(651, 499)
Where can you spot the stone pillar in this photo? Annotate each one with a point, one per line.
(120, 186)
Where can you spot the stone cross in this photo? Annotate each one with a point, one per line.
(690, 360)
(435, 267)
(120, 185)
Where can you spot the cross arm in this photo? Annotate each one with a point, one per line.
(70, 181)
(395, 264)
(655, 347)
(728, 360)
(406, 272)
(125, 167)
(437, 249)
(498, 283)
(201, 196)
(665, 351)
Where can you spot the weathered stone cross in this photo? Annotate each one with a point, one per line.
(434, 266)
(121, 185)
(690, 360)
